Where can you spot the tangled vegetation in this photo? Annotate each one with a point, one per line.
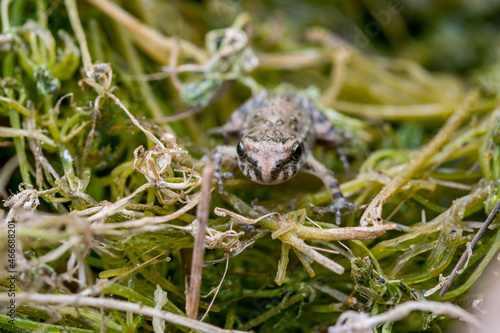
(107, 111)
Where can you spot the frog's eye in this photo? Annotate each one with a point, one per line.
(296, 151)
(240, 149)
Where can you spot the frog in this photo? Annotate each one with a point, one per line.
(276, 133)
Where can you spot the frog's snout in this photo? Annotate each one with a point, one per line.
(268, 172)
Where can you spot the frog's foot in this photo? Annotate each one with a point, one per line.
(221, 176)
(223, 154)
(339, 207)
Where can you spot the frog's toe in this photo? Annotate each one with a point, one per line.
(221, 176)
(218, 176)
(339, 207)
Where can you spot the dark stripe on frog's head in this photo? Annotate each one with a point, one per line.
(248, 165)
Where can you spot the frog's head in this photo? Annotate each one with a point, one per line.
(270, 161)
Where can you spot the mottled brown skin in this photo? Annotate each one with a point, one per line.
(277, 133)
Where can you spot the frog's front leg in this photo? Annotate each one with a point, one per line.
(224, 155)
(231, 129)
(326, 133)
(340, 204)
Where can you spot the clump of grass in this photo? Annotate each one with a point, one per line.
(109, 188)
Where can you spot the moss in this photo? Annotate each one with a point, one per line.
(101, 183)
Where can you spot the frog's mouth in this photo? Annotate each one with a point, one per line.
(268, 175)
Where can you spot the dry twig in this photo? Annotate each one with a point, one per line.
(107, 303)
(202, 213)
(360, 322)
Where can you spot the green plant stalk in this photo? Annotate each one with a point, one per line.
(373, 214)
(16, 106)
(38, 234)
(231, 318)
(441, 264)
(471, 202)
(154, 277)
(134, 296)
(5, 15)
(70, 122)
(15, 123)
(150, 200)
(282, 264)
(17, 13)
(428, 204)
(34, 325)
(133, 61)
(19, 146)
(93, 316)
(129, 322)
(18, 132)
(478, 271)
(276, 309)
(96, 41)
(76, 24)
(496, 166)
(54, 130)
(41, 13)
(379, 155)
